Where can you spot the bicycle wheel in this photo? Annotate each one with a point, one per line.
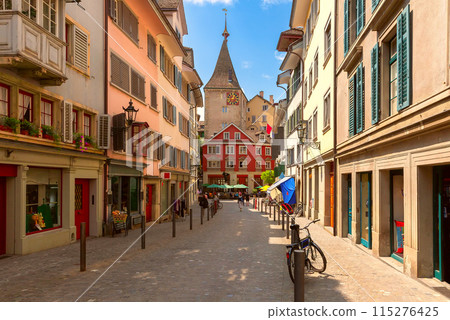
(291, 263)
(316, 258)
(220, 206)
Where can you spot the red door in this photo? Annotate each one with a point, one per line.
(149, 203)
(81, 204)
(2, 216)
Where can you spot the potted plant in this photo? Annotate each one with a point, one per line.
(78, 140)
(50, 133)
(9, 124)
(89, 142)
(28, 128)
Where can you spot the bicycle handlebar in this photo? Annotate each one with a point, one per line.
(314, 221)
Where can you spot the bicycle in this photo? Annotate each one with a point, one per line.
(315, 260)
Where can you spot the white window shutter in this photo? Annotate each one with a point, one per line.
(104, 131)
(81, 49)
(68, 122)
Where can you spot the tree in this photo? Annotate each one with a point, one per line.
(268, 177)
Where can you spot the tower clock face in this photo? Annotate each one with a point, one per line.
(233, 98)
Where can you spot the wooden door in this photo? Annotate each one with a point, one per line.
(149, 203)
(2, 216)
(349, 181)
(365, 206)
(81, 204)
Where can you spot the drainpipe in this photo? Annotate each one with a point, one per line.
(105, 93)
(334, 128)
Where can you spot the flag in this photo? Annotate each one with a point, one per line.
(269, 129)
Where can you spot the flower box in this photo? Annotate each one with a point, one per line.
(6, 128)
(24, 132)
(48, 137)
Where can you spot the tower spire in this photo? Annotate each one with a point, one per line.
(225, 33)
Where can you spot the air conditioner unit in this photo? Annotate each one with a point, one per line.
(166, 175)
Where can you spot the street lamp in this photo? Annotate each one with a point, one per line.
(130, 112)
(301, 131)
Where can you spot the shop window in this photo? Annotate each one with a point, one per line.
(43, 199)
(4, 100)
(46, 112)
(25, 106)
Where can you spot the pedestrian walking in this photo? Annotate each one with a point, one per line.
(247, 198)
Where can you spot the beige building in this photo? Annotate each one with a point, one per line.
(393, 131)
(260, 114)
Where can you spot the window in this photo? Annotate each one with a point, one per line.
(268, 166)
(162, 59)
(25, 106)
(46, 112)
(224, 125)
(151, 48)
(226, 135)
(29, 8)
(264, 118)
(326, 111)
(354, 15)
(253, 119)
(4, 99)
(243, 163)
(5, 5)
(43, 198)
(315, 125)
(153, 97)
(242, 150)
(77, 50)
(305, 91)
(268, 151)
(237, 136)
(248, 109)
(49, 15)
(258, 164)
(213, 149)
(258, 151)
(139, 147)
(126, 78)
(316, 67)
(310, 79)
(229, 163)
(75, 121)
(213, 164)
(265, 107)
(224, 109)
(309, 129)
(169, 111)
(137, 85)
(356, 101)
(327, 40)
(87, 125)
(124, 18)
(229, 149)
(262, 137)
(393, 75)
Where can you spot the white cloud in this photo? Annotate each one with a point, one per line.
(266, 76)
(246, 64)
(203, 2)
(279, 55)
(267, 3)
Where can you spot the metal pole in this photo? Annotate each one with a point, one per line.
(282, 216)
(207, 214)
(190, 218)
(83, 246)
(174, 227)
(142, 231)
(202, 213)
(273, 215)
(299, 276)
(287, 226)
(278, 211)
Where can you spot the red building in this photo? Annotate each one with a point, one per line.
(233, 151)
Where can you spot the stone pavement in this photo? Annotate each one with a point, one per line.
(236, 256)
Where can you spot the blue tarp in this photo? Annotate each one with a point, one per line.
(287, 187)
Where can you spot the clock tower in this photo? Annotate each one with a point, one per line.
(225, 102)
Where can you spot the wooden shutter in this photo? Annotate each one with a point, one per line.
(175, 158)
(68, 122)
(119, 132)
(120, 73)
(137, 85)
(162, 59)
(374, 4)
(151, 47)
(346, 27)
(115, 69)
(104, 131)
(351, 106)
(359, 99)
(375, 101)
(164, 100)
(174, 115)
(153, 97)
(113, 9)
(360, 15)
(180, 122)
(81, 50)
(403, 60)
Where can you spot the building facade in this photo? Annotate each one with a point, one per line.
(393, 129)
(260, 114)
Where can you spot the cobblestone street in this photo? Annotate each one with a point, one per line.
(235, 256)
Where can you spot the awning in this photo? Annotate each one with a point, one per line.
(287, 37)
(283, 78)
(292, 58)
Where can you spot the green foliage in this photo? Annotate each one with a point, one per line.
(91, 141)
(32, 129)
(11, 122)
(50, 131)
(268, 176)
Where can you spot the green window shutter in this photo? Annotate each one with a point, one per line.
(403, 60)
(375, 99)
(164, 107)
(351, 106)
(359, 100)
(174, 109)
(360, 15)
(162, 59)
(374, 4)
(346, 27)
(180, 121)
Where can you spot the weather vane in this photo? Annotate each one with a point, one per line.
(225, 33)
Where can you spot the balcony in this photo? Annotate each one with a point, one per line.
(30, 50)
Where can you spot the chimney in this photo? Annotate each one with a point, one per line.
(261, 94)
(271, 98)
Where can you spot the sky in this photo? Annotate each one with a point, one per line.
(254, 27)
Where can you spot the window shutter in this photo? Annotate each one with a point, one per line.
(137, 85)
(164, 107)
(359, 100)
(174, 119)
(115, 69)
(351, 106)
(403, 60)
(153, 96)
(119, 132)
(360, 16)
(180, 122)
(68, 122)
(104, 131)
(346, 27)
(81, 49)
(374, 4)
(180, 82)
(375, 80)
(113, 9)
(162, 59)
(175, 160)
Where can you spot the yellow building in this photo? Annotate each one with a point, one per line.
(260, 114)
